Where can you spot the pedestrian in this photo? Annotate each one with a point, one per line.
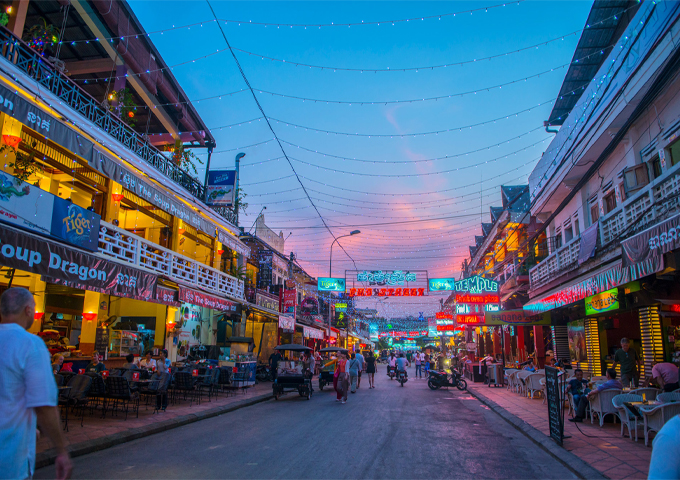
(274, 360)
(370, 368)
(665, 462)
(353, 367)
(630, 363)
(419, 366)
(362, 367)
(28, 392)
(343, 378)
(317, 362)
(427, 363)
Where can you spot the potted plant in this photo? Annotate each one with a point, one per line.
(42, 36)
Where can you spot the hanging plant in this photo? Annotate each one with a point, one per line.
(42, 36)
(124, 107)
(4, 19)
(24, 164)
(185, 159)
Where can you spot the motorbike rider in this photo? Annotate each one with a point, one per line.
(402, 363)
(391, 362)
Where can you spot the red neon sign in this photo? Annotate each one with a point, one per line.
(446, 328)
(443, 315)
(467, 320)
(386, 292)
(477, 298)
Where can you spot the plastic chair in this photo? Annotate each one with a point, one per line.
(648, 393)
(657, 417)
(627, 417)
(509, 372)
(533, 384)
(669, 397)
(601, 404)
(521, 380)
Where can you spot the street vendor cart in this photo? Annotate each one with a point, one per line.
(326, 373)
(290, 375)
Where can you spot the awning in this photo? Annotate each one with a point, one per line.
(73, 267)
(311, 332)
(233, 243)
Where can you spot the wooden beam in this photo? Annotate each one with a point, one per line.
(97, 65)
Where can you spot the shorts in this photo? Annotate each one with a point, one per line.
(628, 378)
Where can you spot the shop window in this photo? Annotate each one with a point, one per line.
(635, 177)
(594, 213)
(609, 202)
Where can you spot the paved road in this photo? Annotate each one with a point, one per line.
(388, 432)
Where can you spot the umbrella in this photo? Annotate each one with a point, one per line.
(293, 347)
(334, 349)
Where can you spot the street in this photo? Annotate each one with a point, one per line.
(387, 432)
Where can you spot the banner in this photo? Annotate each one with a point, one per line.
(28, 206)
(313, 333)
(652, 243)
(203, 300)
(289, 302)
(267, 301)
(514, 317)
(44, 257)
(166, 296)
(221, 187)
(286, 322)
(588, 243)
(143, 189)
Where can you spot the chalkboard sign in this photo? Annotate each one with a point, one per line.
(101, 340)
(555, 404)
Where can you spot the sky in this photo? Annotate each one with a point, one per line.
(478, 87)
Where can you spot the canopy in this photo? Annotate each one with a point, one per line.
(294, 347)
(334, 349)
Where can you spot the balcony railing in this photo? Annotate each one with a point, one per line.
(227, 213)
(124, 246)
(38, 68)
(561, 260)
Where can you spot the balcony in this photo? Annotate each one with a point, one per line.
(35, 66)
(125, 247)
(561, 260)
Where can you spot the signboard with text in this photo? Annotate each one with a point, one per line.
(221, 187)
(602, 302)
(476, 284)
(441, 284)
(328, 284)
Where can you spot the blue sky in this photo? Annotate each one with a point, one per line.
(375, 191)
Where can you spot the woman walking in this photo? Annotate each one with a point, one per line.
(343, 378)
(370, 368)
(353, 367)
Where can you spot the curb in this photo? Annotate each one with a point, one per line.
(47, 457)
(572, 462)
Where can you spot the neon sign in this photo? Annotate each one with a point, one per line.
(441, 315)
(477, 298)
(476, 284)
(386, 292)
(469, 319)
(326, 284)
(602, 302)
(396, 277)
(441, 284)
(446, 328)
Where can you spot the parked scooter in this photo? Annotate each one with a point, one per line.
(402, 377)
(437, 380)
(263, 374)
(391, 372)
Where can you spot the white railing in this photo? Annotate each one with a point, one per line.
(563, 259)
(644, 208)
(126, 247)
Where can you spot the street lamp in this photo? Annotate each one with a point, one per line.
(330, 272)
(330, 262)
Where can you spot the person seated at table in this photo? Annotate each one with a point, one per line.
(611, 382)
(530, 366)
(159, 381)
(578, 386)
(57, 362)
(148, 362)
(553, 362)
(95, 366)
(164, 358)
(130, 362)
(665, 375)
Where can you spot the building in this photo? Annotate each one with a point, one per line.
(103, 218)
(606, 192)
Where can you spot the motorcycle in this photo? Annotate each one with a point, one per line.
(391, 372)
(402, 377)
(263, 374)
(437, 380)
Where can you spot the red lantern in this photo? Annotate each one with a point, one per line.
(117, 197)
(11, 140)
(131, 114)
(89, 316)
(220, 252)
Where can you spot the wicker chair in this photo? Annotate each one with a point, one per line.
(601, 404)
(520, 378)
(647, 393)
(657, 417)
(628, 418)
(669, 397)
(508, 377)
(533, 384)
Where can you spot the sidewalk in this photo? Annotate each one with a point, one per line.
(99, 433)
(604, 449)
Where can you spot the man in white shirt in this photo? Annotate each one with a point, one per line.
(28, 392)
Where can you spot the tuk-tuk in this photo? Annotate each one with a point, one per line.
(291, 377)
(326, 373)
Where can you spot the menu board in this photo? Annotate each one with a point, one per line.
(555, 406)
(101, 340)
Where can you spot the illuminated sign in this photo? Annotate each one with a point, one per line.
(446, 328)
(476, 284)
(515, 317)
(441, 284)
(445, 322)
(492, 307)
(477, 298)
(391, 278)
(340, 307)
(386, 292)
(440, 315)
(603, 302)
(478, 308)
(469, 319)
(326, 284)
